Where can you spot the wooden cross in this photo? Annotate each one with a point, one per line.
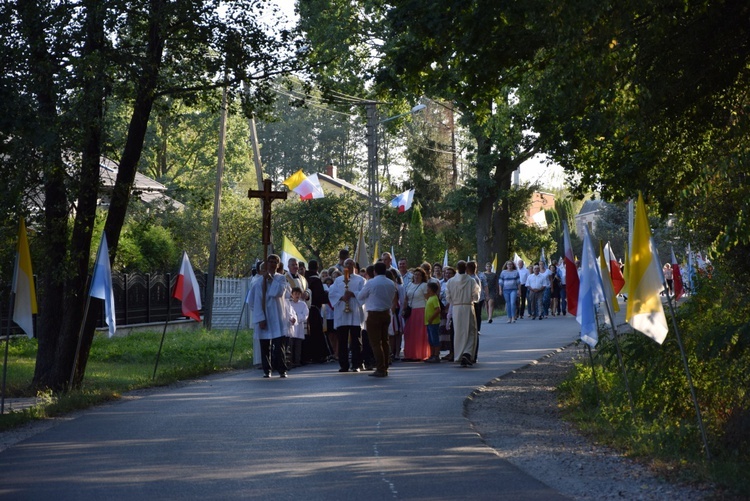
(267, 196)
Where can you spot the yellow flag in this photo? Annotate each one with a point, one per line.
(288, 250)
(645, 312)
(24, 306)
(375, 253)
(295, 179)
(494, 264)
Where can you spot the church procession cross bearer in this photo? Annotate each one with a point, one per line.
(267, 196)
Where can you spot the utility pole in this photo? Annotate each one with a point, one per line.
(214, 245)
(373, 180)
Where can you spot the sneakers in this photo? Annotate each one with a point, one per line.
(489, 321)
(432, 360)
(283, 375)
(266, 375)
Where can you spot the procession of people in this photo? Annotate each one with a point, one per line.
(366, 317)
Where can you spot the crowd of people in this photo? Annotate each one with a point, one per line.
(366, 318)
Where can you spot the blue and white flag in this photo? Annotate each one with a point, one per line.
(101, 284)
(590, 292)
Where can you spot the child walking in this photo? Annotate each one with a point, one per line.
(295, 342)
(432, 321)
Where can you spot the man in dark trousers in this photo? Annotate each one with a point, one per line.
(314, 348)
(377, 296)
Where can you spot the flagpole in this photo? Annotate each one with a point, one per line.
(7, 343)
(689, 377)
(610, 310)
(239, 322)
(619, 357)
(593, 372)
(80, 333)
(164, 333)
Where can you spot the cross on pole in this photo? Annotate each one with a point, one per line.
(267, 196)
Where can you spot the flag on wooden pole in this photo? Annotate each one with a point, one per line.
(360, 253)
(609, 289)
(572, 282)
(307, 187)
(645, 312)
(24, 307)
(403, 201)
(679, 289)
(101, 284)
(590, 292)
(615, 274)
(186, 290)
(288, 251)
(494, 264)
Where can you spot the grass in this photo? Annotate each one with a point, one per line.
(123, 364)
(671, 448)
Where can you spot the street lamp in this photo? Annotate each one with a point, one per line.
(373, 181)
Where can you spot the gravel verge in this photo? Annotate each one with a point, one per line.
(517, 415)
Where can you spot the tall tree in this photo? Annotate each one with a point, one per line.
(59, 55)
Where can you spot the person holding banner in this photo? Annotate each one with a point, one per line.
(271, 318)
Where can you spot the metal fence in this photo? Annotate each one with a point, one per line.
(140, 298)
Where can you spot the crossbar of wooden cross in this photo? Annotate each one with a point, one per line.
(266, 195)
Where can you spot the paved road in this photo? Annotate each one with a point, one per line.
(318, 435)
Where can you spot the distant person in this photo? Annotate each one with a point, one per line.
(509, 283)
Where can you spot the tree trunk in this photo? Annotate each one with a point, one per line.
(142, 106)
(488, 194)
(92, 115)
(52, 335)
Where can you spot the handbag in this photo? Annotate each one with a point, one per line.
(406, 312)
(407, 309)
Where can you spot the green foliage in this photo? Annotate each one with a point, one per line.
(715, 328)
(415, 238)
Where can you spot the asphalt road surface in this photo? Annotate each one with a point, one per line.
(318, 435)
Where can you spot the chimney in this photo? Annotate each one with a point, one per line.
(331, 169)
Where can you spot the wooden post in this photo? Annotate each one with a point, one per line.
(267, 196)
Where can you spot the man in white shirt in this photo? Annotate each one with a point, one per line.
(563, 308)
(547, 294)
(523, 276)
(377, 296)
(349, 324)
(271, 317)
(535, 284)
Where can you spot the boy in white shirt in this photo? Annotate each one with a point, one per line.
(298, 328)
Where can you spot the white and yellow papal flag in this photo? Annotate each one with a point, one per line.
(645, 312)
(288, 251)
(24, 307)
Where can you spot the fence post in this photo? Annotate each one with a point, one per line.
(148, 297)
(169, 294)
(127, 301)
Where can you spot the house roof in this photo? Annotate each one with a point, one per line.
(146, 189)
(591, 206)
